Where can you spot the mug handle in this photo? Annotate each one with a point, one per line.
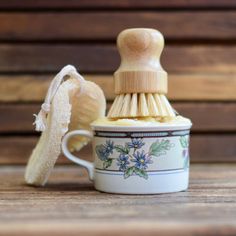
(87, 164)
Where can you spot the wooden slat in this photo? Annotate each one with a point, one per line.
(203, 148)
(32, 88)
(69, 205)
(209, 116)
(19, 148)
(184, 87)
(206, 117)
(215, 147)
(199, 87)
(111, 4)
(107, 25)
(105, 58)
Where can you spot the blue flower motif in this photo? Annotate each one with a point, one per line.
(105, 150)
(136, 143)
(141, 160)
(109, 146)
(122, 162)
(102, 152)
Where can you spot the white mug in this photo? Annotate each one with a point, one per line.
(136, 160)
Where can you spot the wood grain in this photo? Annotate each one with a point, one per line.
(204, 116)
(17, 150)
(18, 118)
(203, 148)
(207, 87)
(198, 59)
(33, 88)
(77, 26)
(69, 205)
(37, 38)
(114, 4)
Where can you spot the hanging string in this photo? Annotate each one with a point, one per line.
(41, 119)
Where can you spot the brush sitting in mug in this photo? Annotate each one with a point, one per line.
(142, 146)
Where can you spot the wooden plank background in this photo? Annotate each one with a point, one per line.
(37, 38)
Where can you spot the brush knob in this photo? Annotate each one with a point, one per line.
(140, 70)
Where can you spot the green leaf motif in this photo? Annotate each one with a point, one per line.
(129, 172)
(141, 173)
(159, 148)
(122, 150)
(107, 163)
(184, 141)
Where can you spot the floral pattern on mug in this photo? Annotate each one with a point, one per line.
(123, 162)
(141, 160)
(184, 142)
(132, 160)
(136, 143)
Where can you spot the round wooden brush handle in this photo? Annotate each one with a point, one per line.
(140, 70)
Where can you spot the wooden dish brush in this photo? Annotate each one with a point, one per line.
(140, 81)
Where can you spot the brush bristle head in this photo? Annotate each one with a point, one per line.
(141, 105)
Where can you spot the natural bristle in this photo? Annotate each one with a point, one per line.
(141, 105)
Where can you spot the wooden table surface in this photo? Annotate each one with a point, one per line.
(69, 205)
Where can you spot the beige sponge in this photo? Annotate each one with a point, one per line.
(88, 105)
(75, 104)
(48, 148)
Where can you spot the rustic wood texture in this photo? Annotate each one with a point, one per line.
(207, 87)
(98, 58)
(77, 26)
(17, 118)
(69, 205)
(33, 88)
(203, 148)
(114, 4)
(37, 38)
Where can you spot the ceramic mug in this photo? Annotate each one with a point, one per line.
(136, 160)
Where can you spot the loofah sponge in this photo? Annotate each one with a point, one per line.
(70, 105)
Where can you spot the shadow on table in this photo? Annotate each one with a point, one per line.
(70, 187)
